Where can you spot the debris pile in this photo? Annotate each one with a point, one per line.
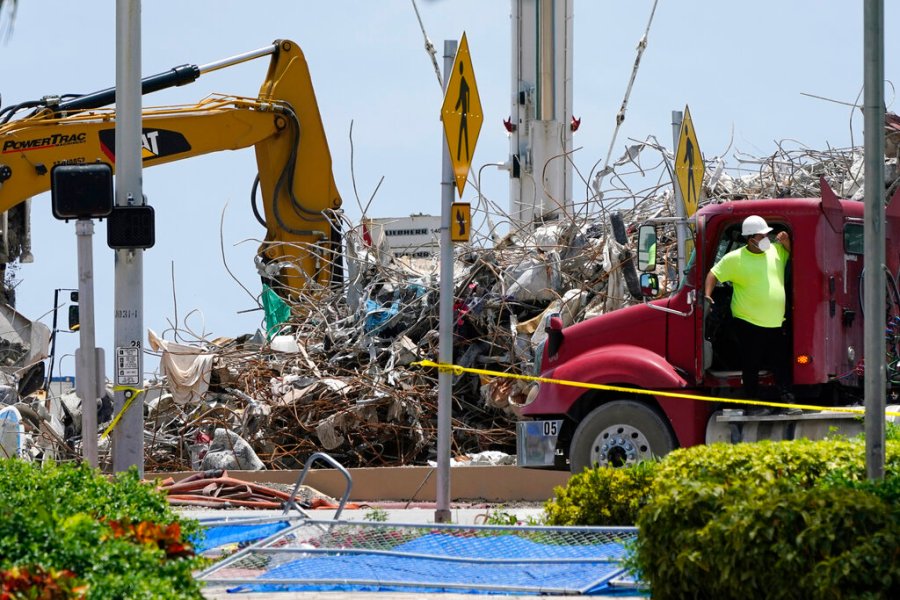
(338, 375)
(795, 173)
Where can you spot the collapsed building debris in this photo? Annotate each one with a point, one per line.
(336, 371)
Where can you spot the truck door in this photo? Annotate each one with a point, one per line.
(721, 346)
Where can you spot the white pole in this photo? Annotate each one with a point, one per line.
(128, 436)
(87, 382)
(445, 313)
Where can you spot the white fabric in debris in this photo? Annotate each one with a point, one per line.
(187, 368)
(548, 238)
(536, 277)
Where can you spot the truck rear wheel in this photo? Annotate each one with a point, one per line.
(617, 434)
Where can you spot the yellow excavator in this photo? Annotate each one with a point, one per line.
(300, 201)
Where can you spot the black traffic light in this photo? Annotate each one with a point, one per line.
(81, 191)
(131, 227)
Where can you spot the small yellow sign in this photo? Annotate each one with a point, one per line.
(460, 222)
(689, 165)
(462, 115)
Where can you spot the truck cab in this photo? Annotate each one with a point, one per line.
(651, 375)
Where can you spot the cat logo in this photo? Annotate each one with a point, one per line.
(150, 145)
(155, 143)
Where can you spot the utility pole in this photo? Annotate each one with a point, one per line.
(128, 436)
(89, 381)
(445, 315)
(681, 225)
(83, 193)
(875, 380)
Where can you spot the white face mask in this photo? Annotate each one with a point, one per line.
(764, 244)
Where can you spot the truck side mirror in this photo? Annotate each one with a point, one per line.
(649, 285)
(74, 319)
(646, 248)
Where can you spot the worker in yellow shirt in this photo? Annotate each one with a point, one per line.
(756, 273)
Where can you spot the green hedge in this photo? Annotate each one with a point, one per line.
(778, 540)
(602, 496)
(119, 538)
(802, 462)
(770, 519)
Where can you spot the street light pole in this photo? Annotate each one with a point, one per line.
(128, 436)
(875, 379)
(445, 318)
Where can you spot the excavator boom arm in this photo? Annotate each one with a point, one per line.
(283, 124)
(30, 149)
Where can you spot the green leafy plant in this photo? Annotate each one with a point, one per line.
(378, 515)
(602, 496)
(114, 538)
(775, 541)
(498, 516)
(534, 521)
(22, 582)
(892, 432)
(802, 462)
(770, 519)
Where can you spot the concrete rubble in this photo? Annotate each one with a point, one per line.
(338, 374)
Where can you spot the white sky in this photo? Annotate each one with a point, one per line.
(742, 68)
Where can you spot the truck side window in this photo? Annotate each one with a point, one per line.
(853, 238)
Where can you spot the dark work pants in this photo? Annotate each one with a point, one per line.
(762, 347)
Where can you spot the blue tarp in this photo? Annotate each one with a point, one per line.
(213, 537)
(433, 573)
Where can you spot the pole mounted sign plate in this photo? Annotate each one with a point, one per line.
(462, 115)
(689, 165)
(460, 222)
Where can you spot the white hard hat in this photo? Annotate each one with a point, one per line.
(754, 225)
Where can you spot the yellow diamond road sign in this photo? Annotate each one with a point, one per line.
(689, 165)
(461, 113)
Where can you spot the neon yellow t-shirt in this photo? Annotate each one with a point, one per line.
(758, 282)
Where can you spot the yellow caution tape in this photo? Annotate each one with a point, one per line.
(458, 370)
(130, 394)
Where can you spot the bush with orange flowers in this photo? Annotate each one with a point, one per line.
(67, 531)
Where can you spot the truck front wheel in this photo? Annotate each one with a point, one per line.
(617, 434)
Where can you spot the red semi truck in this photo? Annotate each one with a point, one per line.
(675, 344)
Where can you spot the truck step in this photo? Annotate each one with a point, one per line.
(738, 416)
